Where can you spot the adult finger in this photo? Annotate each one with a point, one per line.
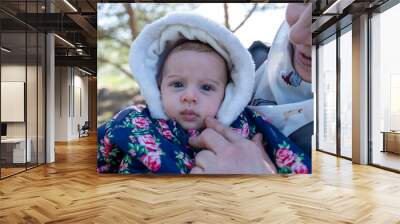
(257, 139)
(226, 132)
(197, 170)
(209, 139)
(205, 159)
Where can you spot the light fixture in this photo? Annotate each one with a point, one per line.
(64, 40)
(337, 7)
(70, 5)
(84, 71)
(5, 49)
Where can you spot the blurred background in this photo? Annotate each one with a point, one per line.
(119, 24)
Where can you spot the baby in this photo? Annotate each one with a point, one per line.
(192, 83)
(186, 75)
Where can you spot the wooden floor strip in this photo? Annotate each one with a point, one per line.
(71, 191)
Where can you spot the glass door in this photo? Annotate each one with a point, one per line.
(13, 103)
(22, 68)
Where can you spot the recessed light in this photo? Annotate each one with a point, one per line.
(5, 49)
(70, 5)
(64, 40)
(84, 71)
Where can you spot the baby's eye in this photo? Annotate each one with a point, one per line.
(177, 84)
(207, 87)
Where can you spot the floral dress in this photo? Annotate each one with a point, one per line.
(133, 142)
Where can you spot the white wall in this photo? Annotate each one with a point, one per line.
(61, 103)
(69, 85)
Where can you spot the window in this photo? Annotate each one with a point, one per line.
(385, 88)
(346, 75)
(327, 96)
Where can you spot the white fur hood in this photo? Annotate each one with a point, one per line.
(148, 46)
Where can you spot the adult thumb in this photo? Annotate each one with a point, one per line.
(269, 164)
(258, 140)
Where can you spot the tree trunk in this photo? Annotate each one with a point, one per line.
(226, 14)
(132, 20)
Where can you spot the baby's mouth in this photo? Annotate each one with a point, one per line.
(189, 115)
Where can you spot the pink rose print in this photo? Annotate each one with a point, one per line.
(167, 134)
(245, 130)
(148, 141)
(107, 147)
(152, 161)
(163, 123)
(141, 122)
(123, 166)
(103, 168)
(284, 157)
(299, 167)
(193, 132)
(132, 139)
(132, 153)
(188, 163)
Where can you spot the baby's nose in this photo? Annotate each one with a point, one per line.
(189, 96)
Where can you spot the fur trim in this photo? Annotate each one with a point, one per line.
(148, 46)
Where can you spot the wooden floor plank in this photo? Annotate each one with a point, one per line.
(70, 191)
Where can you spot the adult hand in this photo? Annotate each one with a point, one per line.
(229, 153)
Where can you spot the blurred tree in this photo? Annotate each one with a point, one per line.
(121, 23)
(251, 9)
(127, 21)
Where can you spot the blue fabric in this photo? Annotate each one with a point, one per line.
(133, 142)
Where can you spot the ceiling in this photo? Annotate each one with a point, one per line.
(330, 15)
(74, 22)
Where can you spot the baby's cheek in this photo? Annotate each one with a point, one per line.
(168, 108)
(212, 110)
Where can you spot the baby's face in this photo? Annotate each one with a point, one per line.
(193, 86)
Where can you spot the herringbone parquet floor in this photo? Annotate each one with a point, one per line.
(70, 191)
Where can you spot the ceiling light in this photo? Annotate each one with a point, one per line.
(337, 7)
(5, 49)
(84, 71)
(64, 40)
(70, 5)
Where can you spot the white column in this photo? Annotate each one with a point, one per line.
(360, 90)
(50, 94)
